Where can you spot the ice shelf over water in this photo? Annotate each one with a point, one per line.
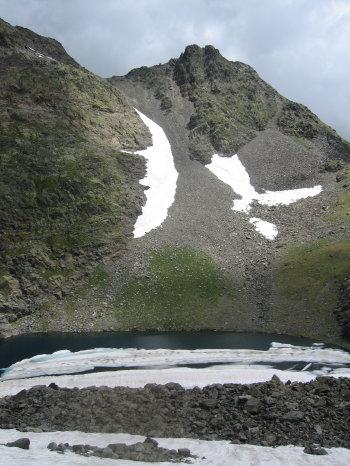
(66, 362)
(160, 179)
(232, 172)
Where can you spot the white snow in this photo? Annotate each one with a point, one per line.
(232, 172)
(269, 230)
(65, 362)
(161, 178)
(186, 377)
(209, 453)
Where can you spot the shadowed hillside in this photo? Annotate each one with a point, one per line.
(69, 196)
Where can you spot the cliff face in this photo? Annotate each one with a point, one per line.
(69, 196)
(71, 199)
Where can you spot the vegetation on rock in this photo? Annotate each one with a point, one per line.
(231, 102)
(308, 280)
(298, 121)
(69, 195)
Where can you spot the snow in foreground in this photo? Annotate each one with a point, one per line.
(232, 172)
(161, 179)
(219, 453)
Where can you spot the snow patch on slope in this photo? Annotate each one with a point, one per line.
(232, 172)
(269, 230)
(160, 179)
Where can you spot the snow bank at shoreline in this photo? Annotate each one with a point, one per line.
(185, 376)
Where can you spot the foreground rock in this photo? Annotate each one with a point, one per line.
(140, 451)
(22, 443)
(271, 413)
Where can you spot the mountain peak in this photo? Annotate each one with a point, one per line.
(194, 50)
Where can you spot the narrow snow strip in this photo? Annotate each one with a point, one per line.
(65, 362)
(161, 179)
(288, 196)
(187, 377)
(269, 230)
(232, 172)
(209, 453)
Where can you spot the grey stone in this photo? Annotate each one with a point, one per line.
(52, 446)
(315, 450)
(184, 452)
(20, 443)
(252, 405)
(293, 416)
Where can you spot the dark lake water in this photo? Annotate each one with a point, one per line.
(25, 346)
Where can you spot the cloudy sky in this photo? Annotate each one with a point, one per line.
(300, 47)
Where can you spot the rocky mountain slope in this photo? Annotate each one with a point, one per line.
(69, 197)
(294, 284)
(72, 198)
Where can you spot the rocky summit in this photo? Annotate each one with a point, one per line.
(71, 196)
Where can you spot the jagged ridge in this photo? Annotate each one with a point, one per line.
(231, 103)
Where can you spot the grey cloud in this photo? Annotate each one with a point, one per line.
(299, 46)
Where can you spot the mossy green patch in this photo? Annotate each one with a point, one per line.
(182, 289)
(99, 278)
(301, 142)
(52, 273)
(307, 280)
(340, 210)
